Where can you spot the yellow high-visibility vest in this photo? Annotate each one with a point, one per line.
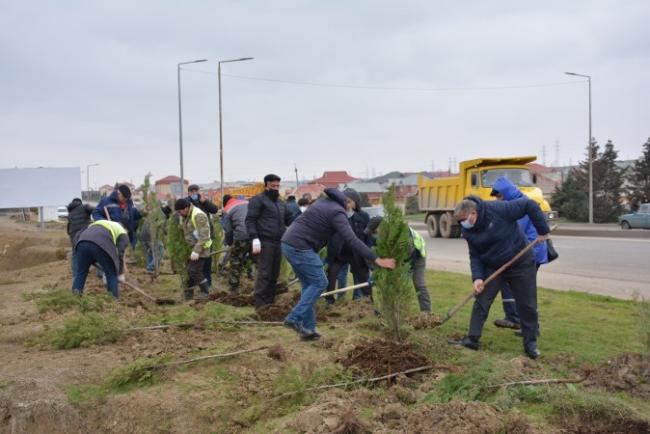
(115, 228)
(196, 211)
(418, 243)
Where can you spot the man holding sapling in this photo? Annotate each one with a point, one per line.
(494, 238)
(301, 244)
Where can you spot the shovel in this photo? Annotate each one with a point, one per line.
(493, 276)
(347, 288)
(149, 296)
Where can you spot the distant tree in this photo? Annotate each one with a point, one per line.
(639, 179)
(571, 198)
(412, 206)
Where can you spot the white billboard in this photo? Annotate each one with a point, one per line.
(42, 186)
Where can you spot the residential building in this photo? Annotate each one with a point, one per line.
(332, 179)
(170, 187)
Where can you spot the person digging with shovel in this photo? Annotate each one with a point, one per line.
(493, 238)
(196, 230)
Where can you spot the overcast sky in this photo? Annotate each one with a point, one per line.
(86, 82)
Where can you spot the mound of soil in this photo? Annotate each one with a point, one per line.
(237, 300)
(425, 321)
(621, 426)
(456, 417)
(273, 312)
(380, 357)
(628, 372)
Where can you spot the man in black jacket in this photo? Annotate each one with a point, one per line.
(494, 238)
(208, 207)
(266, 221)
(78, 220)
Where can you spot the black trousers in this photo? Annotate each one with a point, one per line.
(268, 270)
(195, 270)
(522, 279)
(360, 274)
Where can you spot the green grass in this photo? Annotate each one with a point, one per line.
(82, 330)
(62, 300)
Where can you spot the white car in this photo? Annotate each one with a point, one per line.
(62, 212)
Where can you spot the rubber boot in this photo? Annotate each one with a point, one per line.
(205, 290)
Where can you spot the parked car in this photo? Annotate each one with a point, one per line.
(639, 219)
(374, 211)
(62, 212)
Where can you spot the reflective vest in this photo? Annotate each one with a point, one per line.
(418, 243)
(115, 228)
(196, 211)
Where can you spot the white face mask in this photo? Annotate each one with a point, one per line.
(349, 213)
(303, 208)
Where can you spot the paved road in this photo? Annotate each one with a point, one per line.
(606, 266)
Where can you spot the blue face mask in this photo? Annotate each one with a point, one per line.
(466, 224)
(195, 197)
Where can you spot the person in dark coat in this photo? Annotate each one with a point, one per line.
(208, 207)
(504, 189)
(266, 220)
(78, 220)
(102, 244)
(236, 237)
(339, 255)
(292, 207)
(494, 237)
(301, 244)
(118, 207)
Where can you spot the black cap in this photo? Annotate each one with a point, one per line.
(193, 187)
(125, 190)
(271, 178)
(181, 204)
(226, 199)
(351, 193)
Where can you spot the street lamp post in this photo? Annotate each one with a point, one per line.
(590, 150)
(88, 176)
(220, 123)
(180, 117)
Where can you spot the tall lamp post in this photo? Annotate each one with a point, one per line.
(180, 117)
(590, 150)
(88, 176)
(241, 59)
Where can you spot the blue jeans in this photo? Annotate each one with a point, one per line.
(88, 254)
(309, 270)
(153, 261)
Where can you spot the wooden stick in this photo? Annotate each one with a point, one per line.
(347, 288)
(293, 282)
(213, 356)
(108, 216)
(542, 381)
(138, 290)
(493, 276)
(216, 252)
(365, 380)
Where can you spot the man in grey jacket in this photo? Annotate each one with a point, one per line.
(235, 236)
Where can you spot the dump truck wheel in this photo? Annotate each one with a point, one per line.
(433, 225)
(448, 226)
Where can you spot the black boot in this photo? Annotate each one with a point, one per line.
(188, 294)
(532, 351)
(470, 342)
(205, 290)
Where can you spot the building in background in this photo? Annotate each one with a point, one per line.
(170, 187)
(333, 179)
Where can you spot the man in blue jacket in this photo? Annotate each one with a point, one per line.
(118, 207)
(494, 238)
(504, 189)
(300, 245)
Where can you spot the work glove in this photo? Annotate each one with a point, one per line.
(121, 278)
(194, 256)
(257, 246)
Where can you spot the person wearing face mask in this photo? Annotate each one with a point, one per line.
(494, 237)
(504, 189)
(293, 207)
(301, 244)
(208, 207)
(266, 220)
(303, 204)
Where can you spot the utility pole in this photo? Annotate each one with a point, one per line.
(295, 168)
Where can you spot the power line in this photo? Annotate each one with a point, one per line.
(407, 89)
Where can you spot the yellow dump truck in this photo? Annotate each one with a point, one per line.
(438, 197)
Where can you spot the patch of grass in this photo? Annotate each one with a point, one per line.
(5, 383)
(178, 314)
(140, 373)
(472, 385)
(644, 320)
(294, 384)
(83, 330)
(62, 300)
(88, 395)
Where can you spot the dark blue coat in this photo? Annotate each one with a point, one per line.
(496, 236)
(509, 191)
(318, 224)
(112, 204)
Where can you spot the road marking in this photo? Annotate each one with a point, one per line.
(577, 237)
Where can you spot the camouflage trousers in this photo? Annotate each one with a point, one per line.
(239, 255)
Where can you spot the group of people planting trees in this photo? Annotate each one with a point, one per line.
(320, 239)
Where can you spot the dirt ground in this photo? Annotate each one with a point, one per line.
(43, 390)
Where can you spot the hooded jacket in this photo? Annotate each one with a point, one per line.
(318, 224)
(337, 249)
(103, 238)
(496, 237)
(130, 217)
(78, 217)
(234, 221)
(509, 191)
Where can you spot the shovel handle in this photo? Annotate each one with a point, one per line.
(138, 290)
(493, 276)
(347, 288)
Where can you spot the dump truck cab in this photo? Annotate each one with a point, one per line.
(438, 197)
